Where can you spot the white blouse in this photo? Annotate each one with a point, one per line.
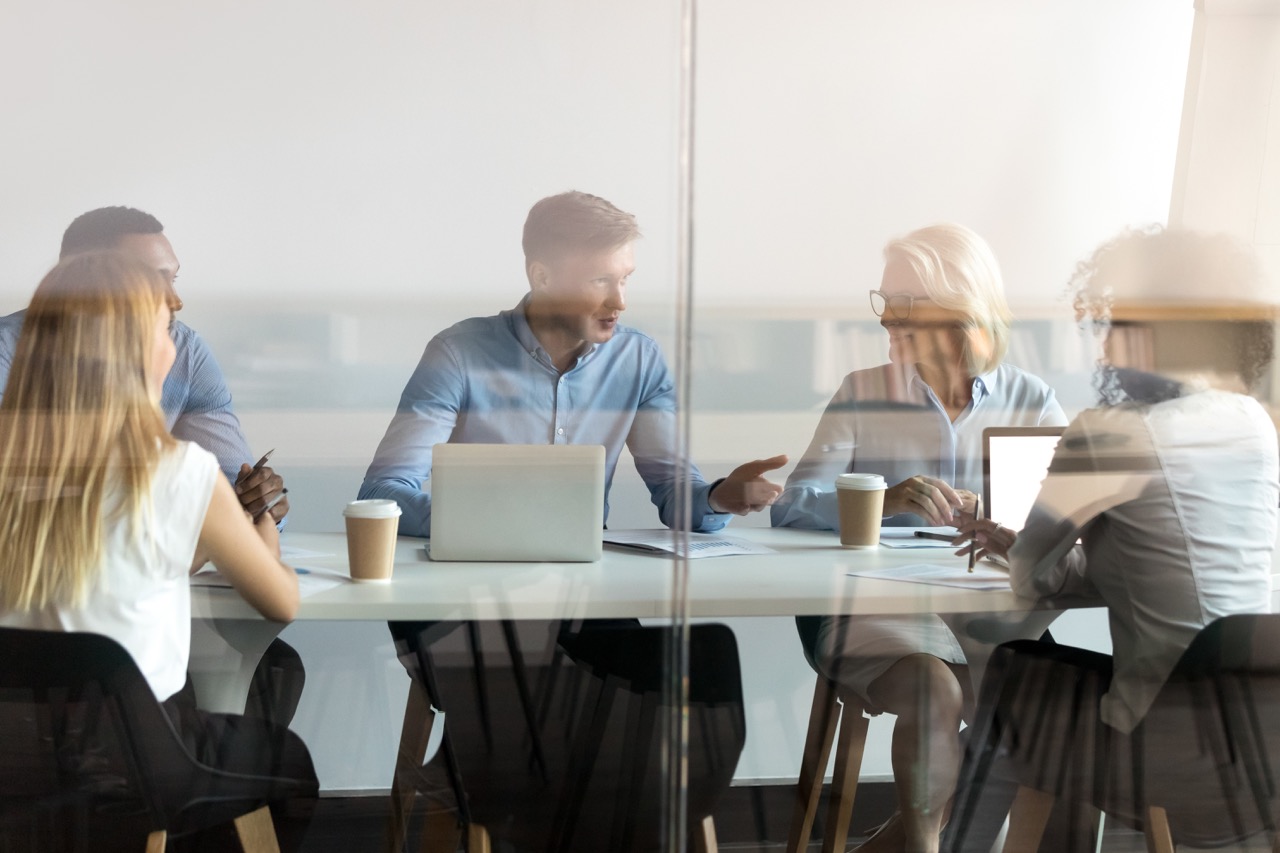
(141, 596)
(1176, 505)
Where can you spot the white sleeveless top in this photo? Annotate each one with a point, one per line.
(141, 596)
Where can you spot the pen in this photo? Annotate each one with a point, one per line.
(973, 547)
(257, 466)
(928, 534)
(271, 503)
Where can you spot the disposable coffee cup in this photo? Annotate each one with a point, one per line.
(861, 501)
(371, 539)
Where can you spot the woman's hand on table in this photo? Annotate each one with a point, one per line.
(928, 497)
(990, 538)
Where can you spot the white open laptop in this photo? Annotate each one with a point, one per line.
(1014, 463)
(517, 502)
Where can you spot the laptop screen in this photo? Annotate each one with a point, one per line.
(1014, 462)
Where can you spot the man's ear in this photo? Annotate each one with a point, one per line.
(539, 275)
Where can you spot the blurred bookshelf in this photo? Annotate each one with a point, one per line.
(1182, 339)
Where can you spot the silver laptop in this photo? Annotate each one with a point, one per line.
(517, 502)
(1014, 463)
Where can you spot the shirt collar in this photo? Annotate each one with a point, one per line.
(519, 325)
(983, 386)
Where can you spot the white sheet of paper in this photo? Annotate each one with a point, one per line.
(905, 537)
(662, 541)
(310, 581)
(959, 576)
(292, 553)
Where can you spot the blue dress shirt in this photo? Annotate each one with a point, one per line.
(195, 399)
(887, 421)
(488, 380)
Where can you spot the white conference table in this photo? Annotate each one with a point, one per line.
(808, 574)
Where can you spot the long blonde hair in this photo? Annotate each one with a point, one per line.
(77, 425)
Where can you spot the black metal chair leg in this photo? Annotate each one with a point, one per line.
(526, 699)
(482, 687)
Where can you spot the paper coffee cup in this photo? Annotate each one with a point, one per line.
(371, 539)
(861, 501)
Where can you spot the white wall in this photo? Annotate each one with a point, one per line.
(1228, 176)
(341, 180)
(825, 128)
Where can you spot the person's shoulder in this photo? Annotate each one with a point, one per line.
(632, 346)
(631, 337)
(11, 324)
(1018, 380)
(189, 455)
(185, 463)
(186, 338)
(474, 330)
(883, 383)
(887, 370)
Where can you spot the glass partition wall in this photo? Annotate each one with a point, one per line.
(342, 186)
(347, 189)
(827, 137)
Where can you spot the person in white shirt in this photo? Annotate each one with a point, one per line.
(1161, 504)
(106, 513)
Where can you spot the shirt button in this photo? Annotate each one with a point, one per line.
(560, 431)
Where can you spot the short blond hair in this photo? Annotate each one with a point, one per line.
(960, 273)
(574, 222)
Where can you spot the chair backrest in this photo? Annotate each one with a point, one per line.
(1211, 740)
(82, 738)
(85, 747)
(1244, 643)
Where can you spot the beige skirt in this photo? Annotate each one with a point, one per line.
(856, 650)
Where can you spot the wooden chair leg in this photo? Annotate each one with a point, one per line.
(477, 839)
(1027, 820)
(844, 781)
(414, 734)
(157, 841)
(440, 832)
(824, 716)
(704, 836)
(256, 832)
(1159, 838)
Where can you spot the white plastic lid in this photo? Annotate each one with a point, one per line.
(864, 482)
(379, 508)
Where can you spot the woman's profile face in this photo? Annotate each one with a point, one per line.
(924, 332)
(163, 350)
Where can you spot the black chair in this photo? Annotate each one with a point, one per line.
(1199, 769)
(413, 644)
(629, 665)
(89, 760)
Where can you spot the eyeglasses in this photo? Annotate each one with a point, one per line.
(898, 306)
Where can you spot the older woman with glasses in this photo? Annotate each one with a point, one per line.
(918, 422)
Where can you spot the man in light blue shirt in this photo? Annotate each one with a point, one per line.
(557, 369)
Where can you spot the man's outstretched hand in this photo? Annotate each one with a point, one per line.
(746, 490)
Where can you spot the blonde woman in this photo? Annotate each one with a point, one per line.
(918, 422)
(105, 514)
